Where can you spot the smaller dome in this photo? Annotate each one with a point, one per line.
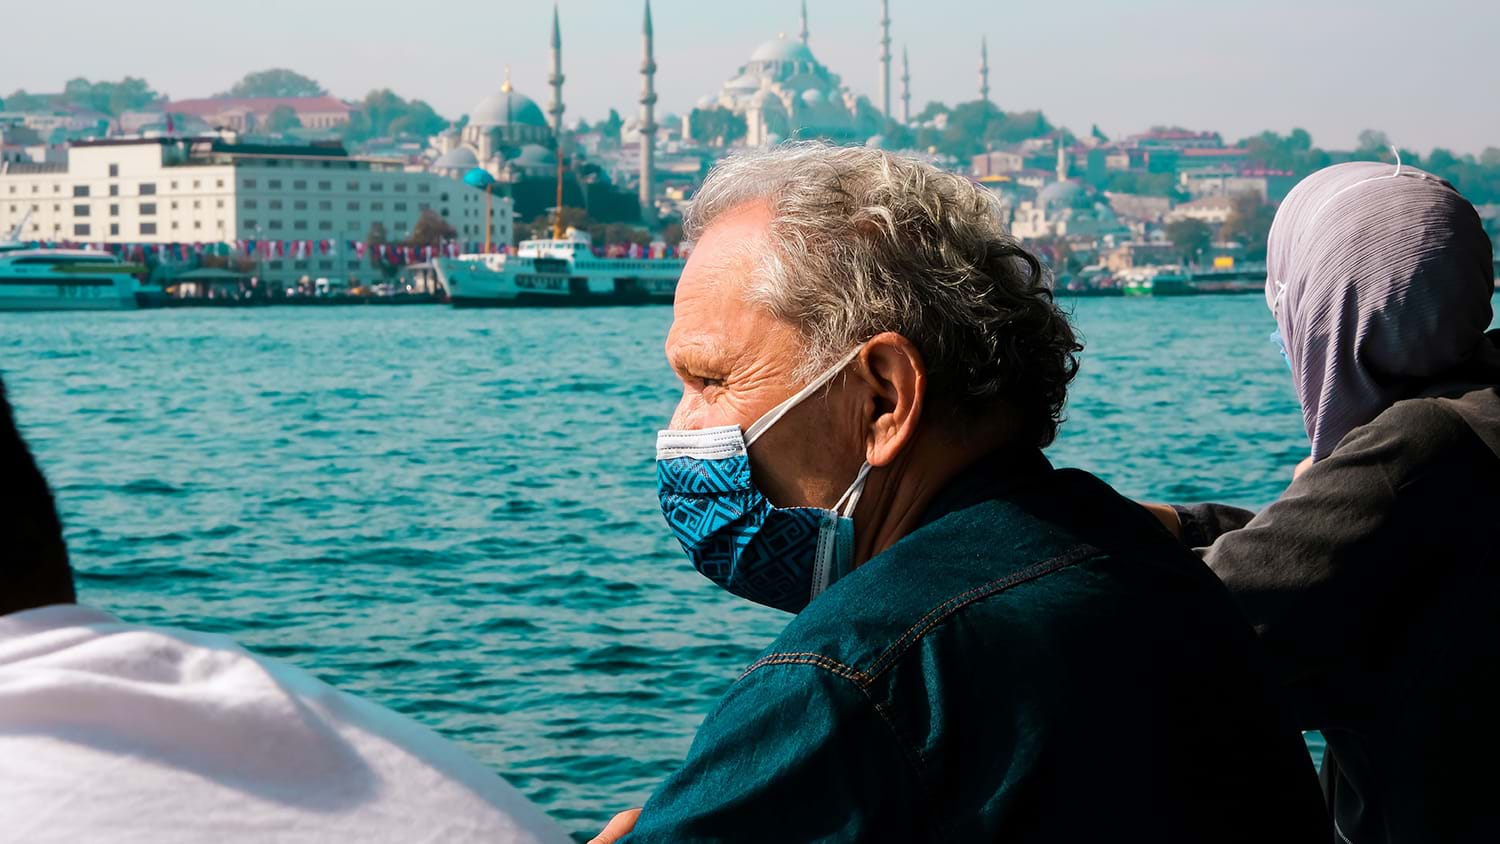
(876, 142)
(458, 158)
(813, 97)
(782, 50)
(1060, 195)
(536, 155)
(707, 102)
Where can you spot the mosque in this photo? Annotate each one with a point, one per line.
(783, 91)
(508, 134)
(1066, 208)
(512, 138)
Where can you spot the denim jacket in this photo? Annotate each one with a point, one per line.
(1039, 661)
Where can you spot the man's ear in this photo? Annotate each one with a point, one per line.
(893, 370)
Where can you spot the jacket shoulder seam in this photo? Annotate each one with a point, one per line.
(832, 666)
(943, 611)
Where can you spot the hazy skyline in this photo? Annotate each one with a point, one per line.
(1334, 68)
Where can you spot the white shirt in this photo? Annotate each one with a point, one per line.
(119, 732)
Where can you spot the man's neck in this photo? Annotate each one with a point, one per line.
(898, 495)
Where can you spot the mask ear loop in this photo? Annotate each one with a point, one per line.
(850, 499)
(774, 414)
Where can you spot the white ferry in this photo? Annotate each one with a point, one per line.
(561, 271)
(33, 279)
(64, 279)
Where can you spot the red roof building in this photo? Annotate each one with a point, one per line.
(244, 113)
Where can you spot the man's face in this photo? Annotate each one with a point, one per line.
(736, 361)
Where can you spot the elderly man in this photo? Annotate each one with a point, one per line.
(985, 648)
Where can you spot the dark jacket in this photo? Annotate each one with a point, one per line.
(1374, 582)
(1039, 661)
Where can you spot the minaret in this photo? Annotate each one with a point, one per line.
(1062, 159)
(556, 80)
(648, 118)
(885, 58)
(984, 69)
(506, 88)
(905, 89)
(804, 21)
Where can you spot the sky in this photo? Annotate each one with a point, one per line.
(1428, 74)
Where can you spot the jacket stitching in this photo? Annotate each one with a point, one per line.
(942, 611)
(833, 666)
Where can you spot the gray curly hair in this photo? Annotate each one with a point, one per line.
(865, 242)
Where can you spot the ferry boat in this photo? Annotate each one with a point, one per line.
(558, 271)
(1176, 281)
(34, 279)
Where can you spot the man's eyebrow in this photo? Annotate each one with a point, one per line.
(699, 354)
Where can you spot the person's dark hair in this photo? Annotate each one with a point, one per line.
(34, 570)
(863, 241)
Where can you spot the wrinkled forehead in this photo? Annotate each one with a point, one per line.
(715, 321)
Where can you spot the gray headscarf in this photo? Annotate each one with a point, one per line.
(1380, 277)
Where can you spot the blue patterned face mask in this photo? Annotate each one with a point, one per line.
(781, 557)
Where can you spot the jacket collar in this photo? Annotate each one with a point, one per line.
(989, 477)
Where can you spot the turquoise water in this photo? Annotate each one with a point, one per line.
(453, 512)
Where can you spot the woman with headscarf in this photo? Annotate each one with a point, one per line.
(1374, 580)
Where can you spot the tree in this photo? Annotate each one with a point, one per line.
(611, 125)
(1249, 223)
(541, 225)
(976, 126)
(373, 240)
(1294, 152)
(930, 111)
(431, 230)
(717, 126)
(276, 82)
(281, 119)
(111, 98)
(1373, 140)
(382, 113)
(1190, 236)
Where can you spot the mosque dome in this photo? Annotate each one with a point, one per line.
(458, 158)
(494, 110)
(1063, 195)
(535, 155)
(743, 83)
(782, 50)
(813, 97)
(876, 142)
(707, 102)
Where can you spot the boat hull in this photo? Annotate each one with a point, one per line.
(68, 295)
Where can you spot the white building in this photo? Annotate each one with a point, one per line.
(212, 190)
(1214, 210)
